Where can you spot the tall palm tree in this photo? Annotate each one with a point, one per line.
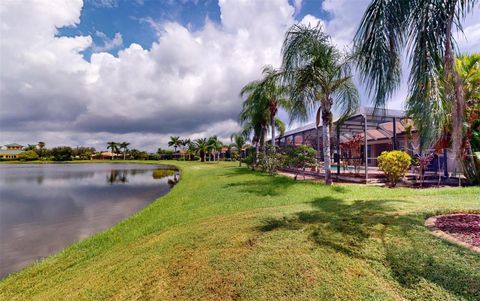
(468, 67)
(215, 146)
(269, 94)
(41, 148)
(239, 141)
(183, 145)
(175, 141)
(255, 116)
(191, 149)
(320, 80)
(255, 126)
(113, 146)
(124, 147)
(202, 147)
(424, 30)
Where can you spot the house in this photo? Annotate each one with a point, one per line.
(104, 156)
(376, 131)
(11, 151)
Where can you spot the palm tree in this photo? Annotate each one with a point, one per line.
(191, 149)
(30, 147)
(202, 147)
(183, 144)
(468, 66)
(124, 147)
(255, 116)
(175, 141)
(238, 140)
(215, 146)
(255, 126)
(424, 29)
(320, 80)
(113, 146)
(41, 148)
(269, 95)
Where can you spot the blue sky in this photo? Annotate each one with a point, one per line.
(133, 19)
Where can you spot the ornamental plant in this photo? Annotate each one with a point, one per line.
(270, 159)
(300, 157)
(28, 156)
(394, 164)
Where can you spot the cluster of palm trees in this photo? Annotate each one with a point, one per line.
(423, 30)
(316, 78)
(118, 148)
(208, 149)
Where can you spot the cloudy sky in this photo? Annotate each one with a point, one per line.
(76, 72)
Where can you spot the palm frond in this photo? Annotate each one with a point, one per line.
(378, 44)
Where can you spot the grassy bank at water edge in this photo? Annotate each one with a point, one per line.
(226, 233)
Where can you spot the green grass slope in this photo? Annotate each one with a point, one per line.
(225, 233)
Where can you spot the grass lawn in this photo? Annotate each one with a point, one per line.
(225, 233)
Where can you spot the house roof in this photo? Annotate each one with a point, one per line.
(379, 124)
(14, 145)
(10, 151)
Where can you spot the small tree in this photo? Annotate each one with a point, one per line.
(300, 157)
(28, 155)
(270, 160)
(394, 164)
(353, 149)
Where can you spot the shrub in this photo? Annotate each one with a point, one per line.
(62, 153)
(300, 157)
(28, 155)
(270, 160)
(394, 164)
(250, 160)
(154, 156)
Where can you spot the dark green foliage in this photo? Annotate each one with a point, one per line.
(154, 156)
(300, 157)
(62, 153)
(475, 139)
(136, 154)
(83, 152)
(271, 159)
(28, 155)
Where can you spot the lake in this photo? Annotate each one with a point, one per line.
(46, 207)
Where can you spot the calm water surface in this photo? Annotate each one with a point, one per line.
(45, 207)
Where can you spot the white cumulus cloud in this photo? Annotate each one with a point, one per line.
(186, 83)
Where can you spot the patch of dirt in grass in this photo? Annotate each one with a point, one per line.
(463, 229)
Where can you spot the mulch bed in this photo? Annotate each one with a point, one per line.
(463, 229)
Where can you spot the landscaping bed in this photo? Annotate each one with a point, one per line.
(463, 229)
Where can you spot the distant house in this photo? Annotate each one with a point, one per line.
(104, 156)
(11, 151)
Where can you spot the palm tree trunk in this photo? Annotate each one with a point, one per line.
(326, 115)
(241, 154)
(458, 107)
(273, 131)
(263, 139)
